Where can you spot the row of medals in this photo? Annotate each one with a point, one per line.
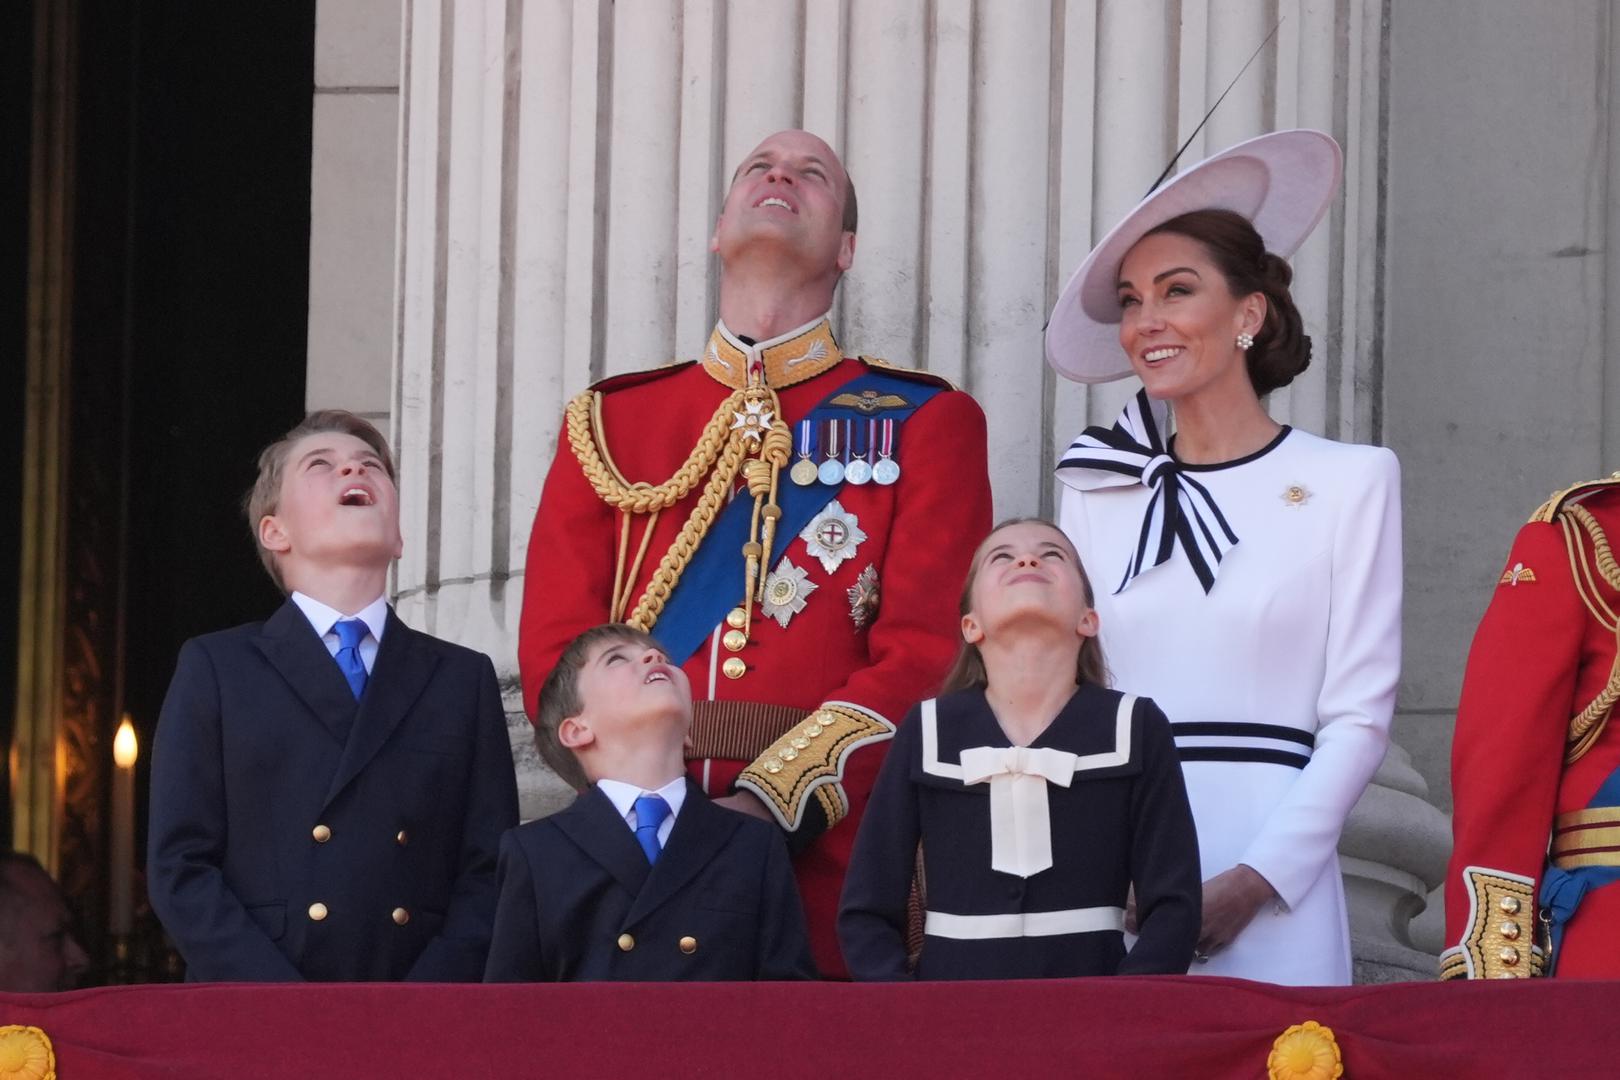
(833, 470)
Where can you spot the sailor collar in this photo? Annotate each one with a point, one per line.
(778, 363)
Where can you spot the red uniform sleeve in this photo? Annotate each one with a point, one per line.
(1507, 757)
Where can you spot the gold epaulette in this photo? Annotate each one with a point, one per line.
(805, 767)
(908, 373)
(1549, 510)
(1499, 942)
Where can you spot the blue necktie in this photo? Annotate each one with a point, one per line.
(651, 810)
(351, 632)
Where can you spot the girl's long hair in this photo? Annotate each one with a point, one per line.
(968, 670)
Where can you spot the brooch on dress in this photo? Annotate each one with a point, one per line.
(1296, 495)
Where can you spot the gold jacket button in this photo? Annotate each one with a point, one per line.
(402, 838)
(734, 668)
(626, 942)
(317, 911)
(688, 945)
(401, 916)
(736, 618)
(734, 640)
(321, 834)
(1509, 929)
(1510, 905)
(1509, 955)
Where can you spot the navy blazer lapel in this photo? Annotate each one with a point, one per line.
(701, 830)
(291, 645)
(405, 663)
(595, 825)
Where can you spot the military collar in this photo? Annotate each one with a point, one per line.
(778, 363)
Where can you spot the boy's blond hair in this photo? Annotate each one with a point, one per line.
(265, 496)
(560, 697)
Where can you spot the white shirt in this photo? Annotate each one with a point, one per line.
(323, 618)
(624, 796)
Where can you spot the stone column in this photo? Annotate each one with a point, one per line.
(562, 162)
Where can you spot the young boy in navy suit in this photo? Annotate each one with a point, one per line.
(329, 786)
(642, 877)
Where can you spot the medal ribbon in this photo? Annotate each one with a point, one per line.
(707, 589)
(1181, 512)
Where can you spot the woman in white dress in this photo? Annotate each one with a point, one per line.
(1249, 575)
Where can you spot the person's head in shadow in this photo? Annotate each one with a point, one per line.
(38, 952)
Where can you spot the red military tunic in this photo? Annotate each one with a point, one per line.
(1533, 746)
(866, 651)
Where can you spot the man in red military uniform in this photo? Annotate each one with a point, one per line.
(792, 523)
(1535, 761)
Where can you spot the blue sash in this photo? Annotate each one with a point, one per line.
(708, 587)
(1563, 890)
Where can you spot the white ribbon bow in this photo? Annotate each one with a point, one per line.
(1020, 822)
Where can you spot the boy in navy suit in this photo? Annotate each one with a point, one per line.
(329, 786)
(642, 877)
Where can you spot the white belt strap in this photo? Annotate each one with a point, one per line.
(1024, 924)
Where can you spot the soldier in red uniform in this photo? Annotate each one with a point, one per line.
(793, 524)
(1535, 762)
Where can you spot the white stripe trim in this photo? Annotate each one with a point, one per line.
(1242, 742)
(1017, 924)
(1108, 759)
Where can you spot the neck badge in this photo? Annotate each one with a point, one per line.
(833, 536)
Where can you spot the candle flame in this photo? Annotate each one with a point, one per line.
(125, 747)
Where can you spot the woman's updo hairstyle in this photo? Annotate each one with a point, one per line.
(1281, 349)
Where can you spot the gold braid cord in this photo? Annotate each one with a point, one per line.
(722, 451)
(1589, 723)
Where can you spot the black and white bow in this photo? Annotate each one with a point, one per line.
(1181, 511)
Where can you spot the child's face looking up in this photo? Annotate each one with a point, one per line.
(1027, 574)
(628, 691)
(337, 505)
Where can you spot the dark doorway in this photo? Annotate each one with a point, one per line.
(189, 308)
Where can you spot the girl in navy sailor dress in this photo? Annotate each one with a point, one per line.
(1038, 797)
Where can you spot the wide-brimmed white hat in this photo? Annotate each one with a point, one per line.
(1282, 182)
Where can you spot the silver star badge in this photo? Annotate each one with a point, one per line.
(785, 590)
(754, 420)
(832, 536)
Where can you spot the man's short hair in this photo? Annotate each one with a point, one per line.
(852, 214)
(560, 697)
(265, 496)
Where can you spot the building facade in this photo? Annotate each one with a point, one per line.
(513, 198)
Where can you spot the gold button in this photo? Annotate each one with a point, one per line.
(317, 911)
(1509, 929)
(321, 834)
(1510, 905)
(401, 916)
(813, 730)
(800, 743)
(734, 668)
(787, 753)
(737, 618)
(626, 942)
(1509, 955)
(1509, 975)
(689, 945)
(734, 640)
(402, 838)
(773, 766)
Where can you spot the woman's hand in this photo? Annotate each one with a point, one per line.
(1232, 898)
